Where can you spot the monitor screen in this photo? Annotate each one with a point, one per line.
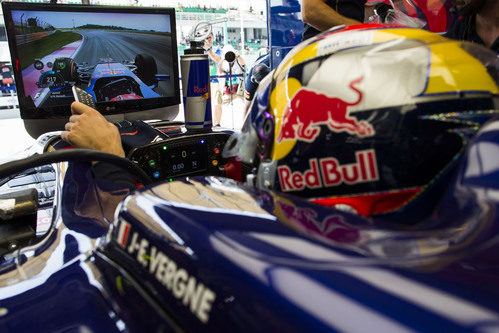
(125, 58)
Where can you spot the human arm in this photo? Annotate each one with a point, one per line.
(319, 15)
(487, 24)
(240, 60)
(208, 47)
(87, 128)
(215, 57)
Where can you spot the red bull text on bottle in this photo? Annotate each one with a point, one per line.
(196, 91)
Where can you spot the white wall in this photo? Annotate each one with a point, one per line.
(4, 52)
(4, 46)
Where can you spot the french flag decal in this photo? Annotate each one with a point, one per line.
(123, 233)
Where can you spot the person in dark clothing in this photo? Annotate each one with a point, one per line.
(259, 70)
(479, 23)
(320, 15)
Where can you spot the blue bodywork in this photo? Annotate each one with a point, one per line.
(116, 71)
(208, 254)
(285, 27)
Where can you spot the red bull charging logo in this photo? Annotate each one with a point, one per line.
(309, 110)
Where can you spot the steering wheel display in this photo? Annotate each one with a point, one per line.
(50, 80)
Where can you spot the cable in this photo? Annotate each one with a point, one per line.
(76, 155)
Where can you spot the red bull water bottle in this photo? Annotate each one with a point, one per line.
(196, 90)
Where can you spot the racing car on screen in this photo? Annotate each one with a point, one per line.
(108, 80)
(371, 212)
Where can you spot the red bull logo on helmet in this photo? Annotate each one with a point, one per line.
(328, 172)
(310, 109)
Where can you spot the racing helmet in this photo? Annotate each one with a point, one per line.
(367, 117)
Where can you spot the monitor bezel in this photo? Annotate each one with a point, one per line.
(106, 108)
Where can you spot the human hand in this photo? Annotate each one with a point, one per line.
(87, 128)
(208, 42)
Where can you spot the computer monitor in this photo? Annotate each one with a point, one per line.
(124, 57)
